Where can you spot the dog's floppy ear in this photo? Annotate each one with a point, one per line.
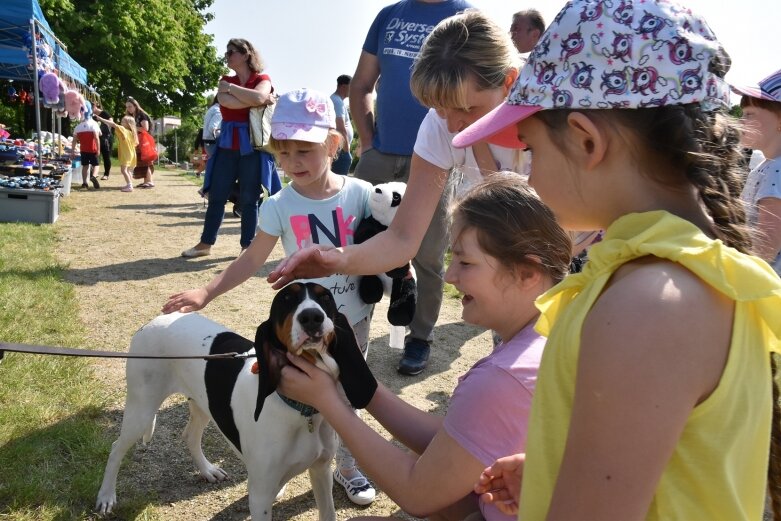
(357, 379)
(271, 360)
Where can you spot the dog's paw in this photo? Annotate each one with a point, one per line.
(105, 503)
(213, 474)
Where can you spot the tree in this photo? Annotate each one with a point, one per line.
(153, 50)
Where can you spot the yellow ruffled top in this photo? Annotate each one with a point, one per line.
(719, 467)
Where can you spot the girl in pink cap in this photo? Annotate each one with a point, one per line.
(316, 207)
(654, 398)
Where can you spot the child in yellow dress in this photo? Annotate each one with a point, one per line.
(127, 142)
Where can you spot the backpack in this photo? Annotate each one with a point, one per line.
(147, 149)
(260, 123)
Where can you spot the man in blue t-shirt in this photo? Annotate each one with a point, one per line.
(341, 165)
(388, 137)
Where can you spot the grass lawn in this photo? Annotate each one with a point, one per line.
(52, 445)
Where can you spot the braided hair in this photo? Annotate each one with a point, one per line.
(701, 149)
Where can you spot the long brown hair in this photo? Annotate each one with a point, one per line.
(513, 225)
(138, 110)
(254, 60)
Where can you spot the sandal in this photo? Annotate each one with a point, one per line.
(104, 178)
(148, 185)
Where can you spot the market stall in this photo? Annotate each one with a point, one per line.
(31, 54)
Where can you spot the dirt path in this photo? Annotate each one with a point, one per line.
(123, 255)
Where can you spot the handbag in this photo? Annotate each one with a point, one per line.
(260, 123)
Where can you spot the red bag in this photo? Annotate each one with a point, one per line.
(147, 149)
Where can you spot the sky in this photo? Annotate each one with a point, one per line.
(308, 43)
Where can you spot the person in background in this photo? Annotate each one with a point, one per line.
(133, 108)
(655, 397)
(761, 106)
(388, 138)
(87, 136)
(305, 140)
(235, 158)
(212, 121)
(128, 141)
(106, 139)
(526, 29)
(344, 160)
(143, 124)
(507, 250)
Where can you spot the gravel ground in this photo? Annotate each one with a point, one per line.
(123, 251)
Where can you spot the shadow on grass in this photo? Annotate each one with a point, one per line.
(141, 269)
(56, 469)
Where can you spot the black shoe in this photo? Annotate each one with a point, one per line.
(94, 181)
(415, 357)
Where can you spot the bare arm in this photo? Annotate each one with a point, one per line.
(768, 242)
(108, 122)
(404, 476)
(361, 100)
(145, 125)
(342, 129)
(641, 372)
(239, 270)
(408, 424)
(242, 97)
(399, 243)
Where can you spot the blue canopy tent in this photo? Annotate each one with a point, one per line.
(23, 31)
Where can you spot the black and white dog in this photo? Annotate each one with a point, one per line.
(275, 437)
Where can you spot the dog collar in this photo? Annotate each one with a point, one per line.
(307, 411)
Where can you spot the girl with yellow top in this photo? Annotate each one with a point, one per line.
(126, 145)
(654, 394)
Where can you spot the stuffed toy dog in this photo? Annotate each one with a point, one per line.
(399, 283)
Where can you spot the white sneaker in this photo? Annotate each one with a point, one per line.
(359, 489)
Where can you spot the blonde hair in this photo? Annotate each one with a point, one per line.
(463, 47)
(129, 122)
(333, 141)
(255, 61)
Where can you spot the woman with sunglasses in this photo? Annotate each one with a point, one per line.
(235, 159)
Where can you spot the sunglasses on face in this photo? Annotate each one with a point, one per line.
(231, 52)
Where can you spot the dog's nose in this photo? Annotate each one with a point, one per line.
(311, 319)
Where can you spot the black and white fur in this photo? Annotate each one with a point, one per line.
(273, 439)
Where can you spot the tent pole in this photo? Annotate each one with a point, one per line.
(37, 98)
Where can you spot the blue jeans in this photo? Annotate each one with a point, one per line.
(230, 165)
(341, 165)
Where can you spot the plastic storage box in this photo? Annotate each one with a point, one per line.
(31, 206)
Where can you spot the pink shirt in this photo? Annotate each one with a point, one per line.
(488, 413)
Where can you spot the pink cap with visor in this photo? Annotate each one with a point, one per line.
(617, 54)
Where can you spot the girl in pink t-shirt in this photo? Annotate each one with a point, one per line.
(507, 249)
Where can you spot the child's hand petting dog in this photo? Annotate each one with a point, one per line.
(186, 301)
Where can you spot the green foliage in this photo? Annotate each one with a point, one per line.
(52, 440)
(12, 115)
(153, 50)
(736, 111)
